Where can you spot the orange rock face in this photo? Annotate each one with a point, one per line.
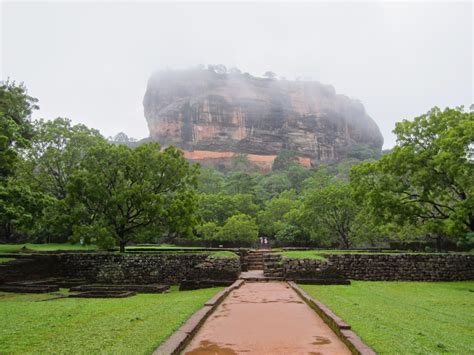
(207, 157)
(214, 117)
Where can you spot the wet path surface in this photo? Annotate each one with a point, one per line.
(265, 318)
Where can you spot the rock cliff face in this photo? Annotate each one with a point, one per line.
(216, 116)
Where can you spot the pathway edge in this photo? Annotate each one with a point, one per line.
(180, 338)
(338, 325)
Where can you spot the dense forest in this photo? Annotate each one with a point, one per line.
(63, 182)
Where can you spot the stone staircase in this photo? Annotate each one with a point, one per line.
(272, 266)
(255, 260)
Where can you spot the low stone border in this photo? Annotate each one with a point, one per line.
(338, 325)
(180, 338)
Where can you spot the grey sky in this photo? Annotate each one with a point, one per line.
(91, 61)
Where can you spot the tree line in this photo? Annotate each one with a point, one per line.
(64, 182)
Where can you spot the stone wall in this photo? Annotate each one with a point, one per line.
(27, 267)
(146, 269)
(405, 267)
(379, 267)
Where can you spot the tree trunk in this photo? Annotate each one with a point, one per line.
(345, 241)
(122, 246)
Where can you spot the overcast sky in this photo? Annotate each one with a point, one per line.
(91, 61)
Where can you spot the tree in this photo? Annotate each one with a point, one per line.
(284, 159)
(15, 128)
(332, 213)
(216, 207)
(57, 151)
(270, 75)
(289, 234)
(208, 231)
(244, 203)
(297, 174)
(19, 207)
(239, 182)
(270, 219)
(122, 138)
(239, 229)
(427, 178)
(272, 185)
(210, 180)
(127, 190)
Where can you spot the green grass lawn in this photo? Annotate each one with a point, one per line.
(224, 254)
(406, 317)
(302, 254)
(135, 325)
(5, 260)
(14, 248)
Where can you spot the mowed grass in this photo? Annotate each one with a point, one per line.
(6, 260)
(302, 254)
(135, 325)
(14, 248)
(224, 254)
(406, 317)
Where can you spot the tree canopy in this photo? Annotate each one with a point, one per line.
(125, 190)
(427, 179)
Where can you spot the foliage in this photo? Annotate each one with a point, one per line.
(332, 213)
(239, 228)
(210, 180)
(284, 159)
(271, 185)
(427, 178)
(216, 207)
(363, 152)
(19, 207)
(208, 231)
(16, 108)
(127, 190)
(273, 216)
(297, 174)
(57, 151)
(430, 317)
(239, 182)
(289, 234)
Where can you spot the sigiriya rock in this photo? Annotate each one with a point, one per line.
(214, 115)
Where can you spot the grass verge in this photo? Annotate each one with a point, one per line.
(302, 254)
(135, 325)
(405, 317)
(5, 260)
(14, 248)
(224, 254)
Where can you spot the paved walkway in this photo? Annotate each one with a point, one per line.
(265, 318)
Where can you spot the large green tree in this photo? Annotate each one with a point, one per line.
(275, 214)
(57, 151)
(19, 207)
(126, 191)
(332, 214)
(239, 229)
(428, 178)
(16, 131)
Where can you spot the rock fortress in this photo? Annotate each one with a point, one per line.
(215, 115)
